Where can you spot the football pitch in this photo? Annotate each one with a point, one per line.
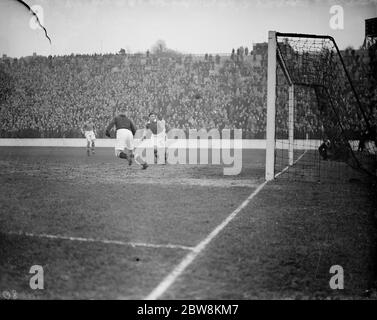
(103, 230)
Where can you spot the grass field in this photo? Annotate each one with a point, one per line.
(103, 230)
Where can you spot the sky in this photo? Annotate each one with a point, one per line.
(189, 26)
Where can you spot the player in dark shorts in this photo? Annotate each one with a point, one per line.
(323, 149)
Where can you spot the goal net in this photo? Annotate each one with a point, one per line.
(317, 127)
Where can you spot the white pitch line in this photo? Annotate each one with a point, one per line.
(117, 242)
(190, 257)
(287, 167)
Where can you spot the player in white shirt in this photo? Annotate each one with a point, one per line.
(89, 133)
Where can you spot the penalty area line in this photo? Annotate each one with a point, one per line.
(166, 283)
(116, 242)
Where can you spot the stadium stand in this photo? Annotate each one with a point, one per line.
(51, 97)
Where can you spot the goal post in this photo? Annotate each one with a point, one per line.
(314, 116)
(291, 106)
(271, 106)
(273, 55)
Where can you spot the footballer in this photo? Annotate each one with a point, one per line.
(89, 133)
(324, 149)
(157, 130)
(124, 145)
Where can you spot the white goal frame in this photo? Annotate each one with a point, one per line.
(273, 54)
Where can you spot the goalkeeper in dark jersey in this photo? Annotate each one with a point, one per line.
(324, 149)
(124, 146)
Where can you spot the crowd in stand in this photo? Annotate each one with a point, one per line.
(54, 96)
(363, 70)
